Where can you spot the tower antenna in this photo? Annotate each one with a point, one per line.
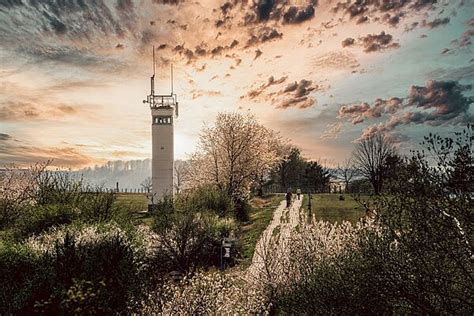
(171, 79)
(153, 77)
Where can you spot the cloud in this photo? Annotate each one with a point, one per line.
(252, 94)
(445, 98)
(390, 11)
(297, 15)
(377, 42)
(296, 95)
(348, 42)
(199, 93)
(336, 60)
(4, 137)
(358, 113)
(263, 35)
(435, 104)
(435, 23)
(264, 10)
(332, 131)
(465, 39)
(22, 154)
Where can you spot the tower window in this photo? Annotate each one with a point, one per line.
(162, 120)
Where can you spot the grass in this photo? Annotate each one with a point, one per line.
(260, 215)
(136, 204)
(328, 207)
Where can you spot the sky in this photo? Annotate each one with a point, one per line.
(325, 74)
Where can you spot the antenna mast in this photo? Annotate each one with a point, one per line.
(171, 79)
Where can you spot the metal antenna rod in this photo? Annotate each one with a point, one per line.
(153, 77)
(171, 79)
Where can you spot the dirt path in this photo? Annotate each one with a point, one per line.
(283, 222)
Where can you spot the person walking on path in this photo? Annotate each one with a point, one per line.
(298, 193)
(288, 197)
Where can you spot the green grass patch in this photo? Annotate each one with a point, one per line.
(328, 207)
(260, 217)
(136, 204)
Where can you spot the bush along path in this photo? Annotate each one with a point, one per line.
(277, 234)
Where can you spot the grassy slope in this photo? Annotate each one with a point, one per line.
(327, 207)
(260, 216)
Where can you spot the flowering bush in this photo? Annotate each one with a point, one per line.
(212, 293)
(75, 269)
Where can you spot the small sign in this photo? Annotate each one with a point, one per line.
(227, 252)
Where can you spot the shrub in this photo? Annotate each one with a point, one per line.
(210, 293)
(93, 269)
(187, 240)
(211, 199)
(40, 218)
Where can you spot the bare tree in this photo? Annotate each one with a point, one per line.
(347, 171)
(370, 155)
(234, 153)
(147, 185)
(180, 175)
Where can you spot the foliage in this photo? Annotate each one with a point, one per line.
(37, 219)
(414, 256)
(234, 154)
(187, 239)
(89, 270)
(293, 171)
(208, 198)
(211, 293)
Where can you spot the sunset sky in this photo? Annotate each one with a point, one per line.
(73, 73)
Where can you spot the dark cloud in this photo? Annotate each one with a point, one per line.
(168, 2)
(120, 46)
(4, 137)
(298, 15)
(392, 20)
(263, 34)
(58, 26)
(388, 11)
(377, 42)
(445, 98)
(258, 53)
(435, 23)
(261, 11)
(437, 103)
(348, 42)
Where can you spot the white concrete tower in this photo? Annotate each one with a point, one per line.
(164, 108)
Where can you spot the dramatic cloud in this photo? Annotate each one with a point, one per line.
(389, 11)
(437, 103)
(264, 10)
